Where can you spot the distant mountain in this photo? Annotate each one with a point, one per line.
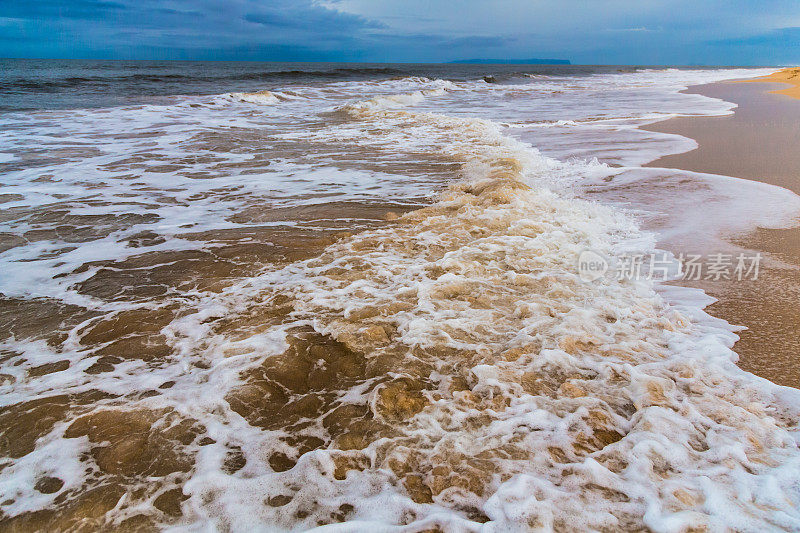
(534, 61)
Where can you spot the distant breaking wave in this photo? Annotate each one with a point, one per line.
(27, 84)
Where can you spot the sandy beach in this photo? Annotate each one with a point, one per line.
(758, 142)
(790, 76)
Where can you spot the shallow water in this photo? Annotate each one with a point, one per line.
(357, 300)
(759, 143)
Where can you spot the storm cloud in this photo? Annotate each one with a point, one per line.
(583, 31)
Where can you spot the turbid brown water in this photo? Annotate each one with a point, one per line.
(760, 141)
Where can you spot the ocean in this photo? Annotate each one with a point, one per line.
(270, 296)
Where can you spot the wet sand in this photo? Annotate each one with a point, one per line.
(758, 142)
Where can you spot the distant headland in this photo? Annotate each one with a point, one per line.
(534, 61)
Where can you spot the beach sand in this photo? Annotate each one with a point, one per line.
(789, 76)
(758, 142)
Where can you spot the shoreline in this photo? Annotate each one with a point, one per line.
(757, 143)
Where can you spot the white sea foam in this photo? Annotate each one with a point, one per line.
(483, 284)
(503, 392)
(265, 97)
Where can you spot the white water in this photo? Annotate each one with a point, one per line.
(478, 289)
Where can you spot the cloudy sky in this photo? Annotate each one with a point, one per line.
(730, 32)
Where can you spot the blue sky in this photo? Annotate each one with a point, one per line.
(731, 32)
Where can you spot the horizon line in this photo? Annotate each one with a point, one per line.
(450, 62)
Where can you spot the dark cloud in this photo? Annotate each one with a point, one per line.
(309, 17)
(784, 37)
(59, 9)
(281, 30)
(612, 31)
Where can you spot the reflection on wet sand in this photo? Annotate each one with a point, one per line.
(757, 142)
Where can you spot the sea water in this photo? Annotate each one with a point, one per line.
(278, 297)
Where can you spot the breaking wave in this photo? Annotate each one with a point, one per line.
(473, 382)
(264, 97)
